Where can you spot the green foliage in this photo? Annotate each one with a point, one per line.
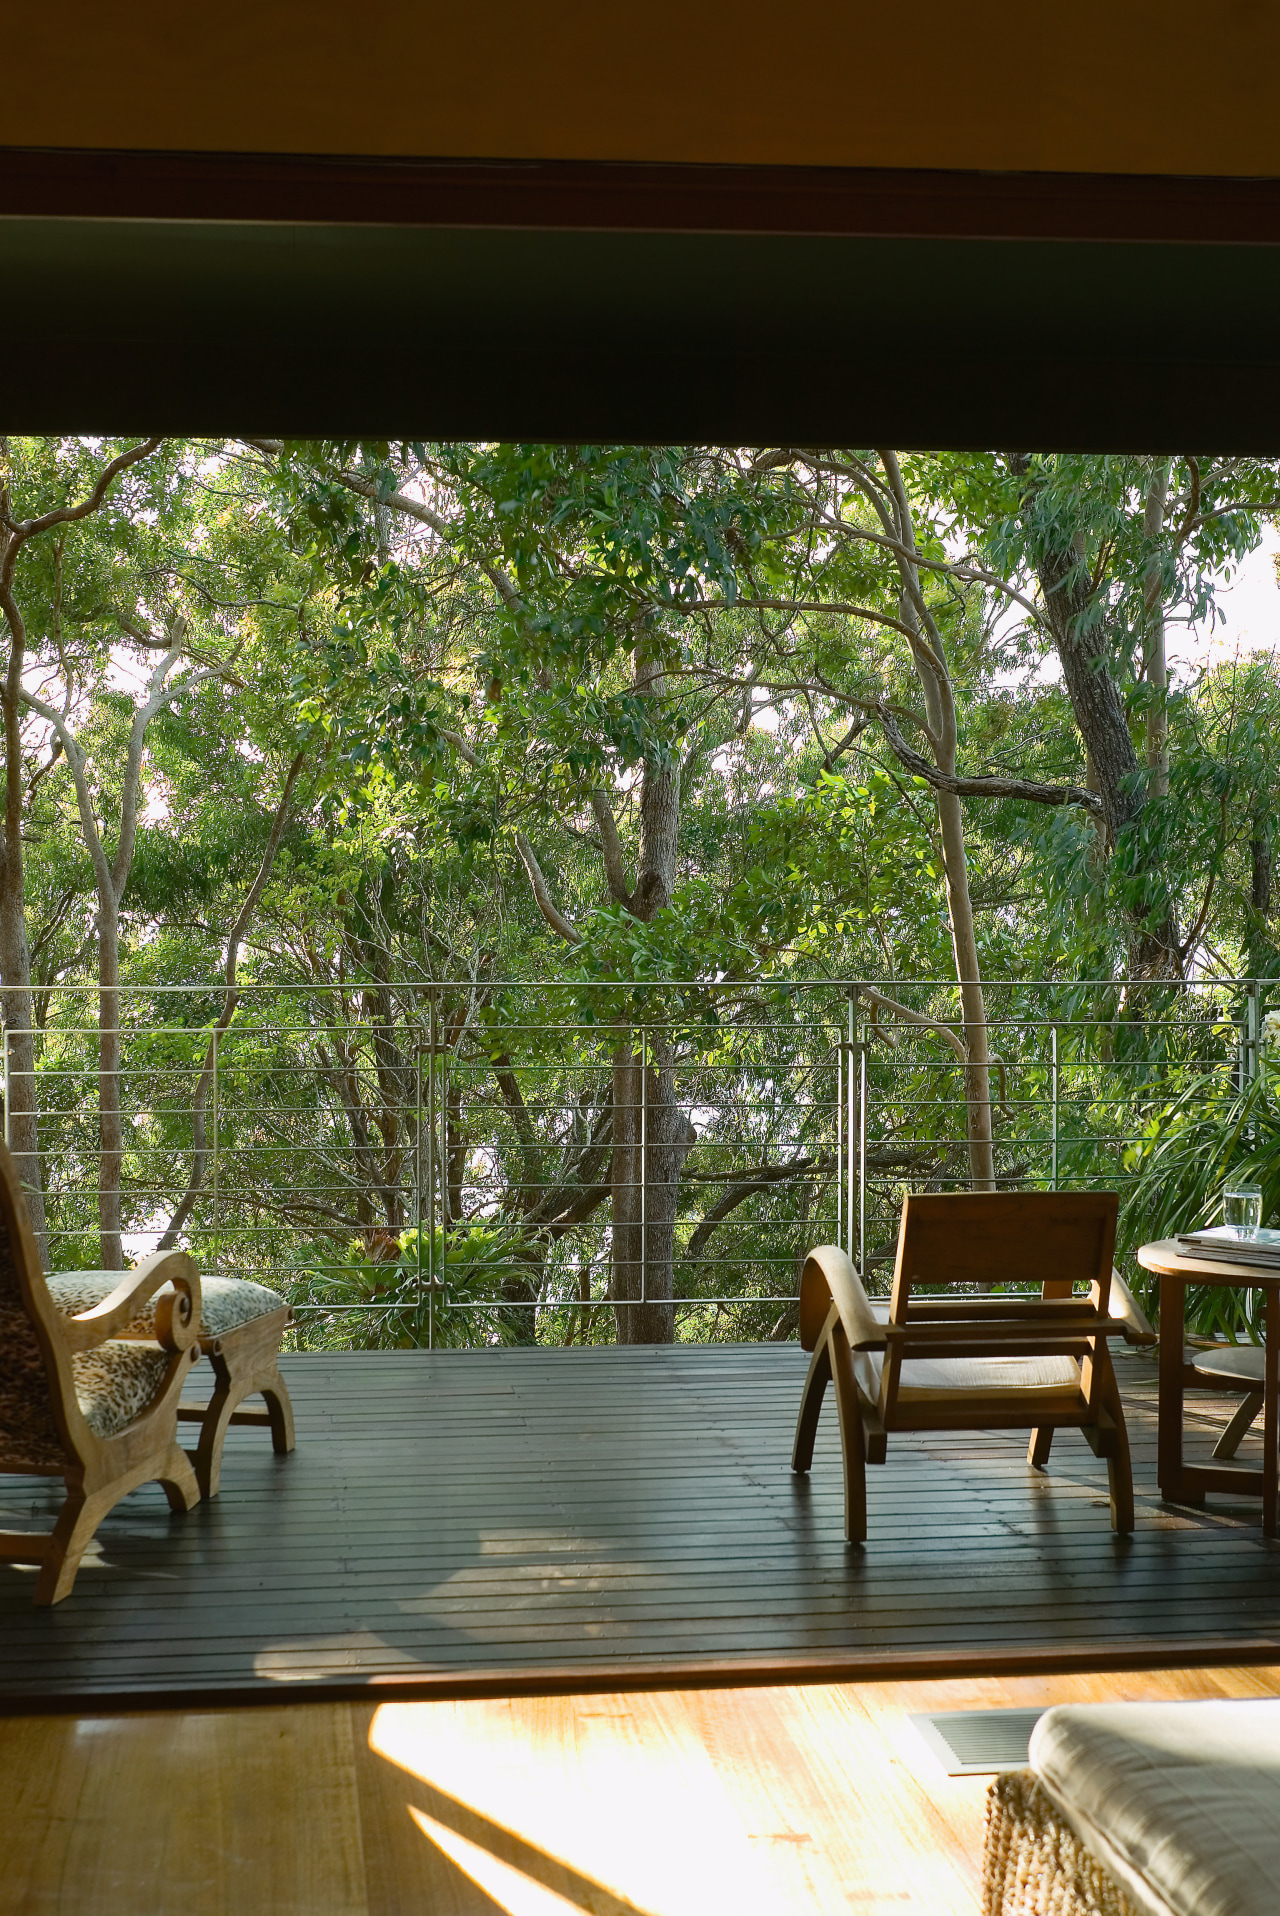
(474, 643)
(449, 1291)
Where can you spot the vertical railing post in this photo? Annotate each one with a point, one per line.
(417, 1187)
(851, 1133)
(217, 1181)
(1053, 1040)
(644, 1158)
(431, 1174)
(6, 1087)
(1252, 1029)
(862, 1160)
(840, 1190)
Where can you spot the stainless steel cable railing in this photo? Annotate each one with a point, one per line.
(431, 1161)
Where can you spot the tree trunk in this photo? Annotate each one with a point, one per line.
(1100, 718)
(652, 1136)
(939, 702)
(1259, 943)
(973, 1008)
(646, 1175)
(21, 1112)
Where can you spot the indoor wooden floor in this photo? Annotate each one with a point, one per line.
(617, 1518)
(794, 1801)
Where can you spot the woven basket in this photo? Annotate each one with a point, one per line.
(1034, 1865)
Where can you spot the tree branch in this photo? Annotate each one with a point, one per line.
(911, 1017)
(985, 787)
(546, 905)
(611, 845)
(24, 529)
(157, 695)
(411, 509)
(761, 1178)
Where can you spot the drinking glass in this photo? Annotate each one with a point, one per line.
(1242, 1208)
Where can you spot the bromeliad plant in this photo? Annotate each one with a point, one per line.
(353, 1300)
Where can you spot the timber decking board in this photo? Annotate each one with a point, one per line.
(625, 1514)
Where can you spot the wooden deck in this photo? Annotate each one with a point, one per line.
(595, 1519)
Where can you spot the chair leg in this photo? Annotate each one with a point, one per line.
(1038, 1448)
(815, 1389)
(85, 1509)
(852, 1439)
(214, 1426)
(245, 1364)
(275, 1395)
(1229, 1442)
(178, 1480)
(1119, 1467)
(72, 1534)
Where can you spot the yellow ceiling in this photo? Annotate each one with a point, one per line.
(1183, 86)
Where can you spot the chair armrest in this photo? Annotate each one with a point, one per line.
(1136, 1324)
(829, 1278)
(177, 1317)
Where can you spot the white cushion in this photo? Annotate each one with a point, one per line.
(964, 1373)
(970, 1373)
(1180, 1802)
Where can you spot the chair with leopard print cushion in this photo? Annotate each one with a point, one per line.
(241, 1326)
(78, 1402)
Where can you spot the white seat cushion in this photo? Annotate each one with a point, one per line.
(1180, 1802)
(227, 1302)
(984, 1374)
(964, 1373)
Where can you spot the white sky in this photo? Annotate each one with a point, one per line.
(1249, 613)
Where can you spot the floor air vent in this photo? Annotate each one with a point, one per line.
(977, 1742)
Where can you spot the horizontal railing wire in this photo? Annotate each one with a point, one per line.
(451, 1155)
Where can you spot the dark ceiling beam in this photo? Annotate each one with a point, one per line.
(623, 196)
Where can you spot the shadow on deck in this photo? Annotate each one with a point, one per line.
(459, 1522)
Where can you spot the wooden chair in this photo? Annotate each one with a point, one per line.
(241, 1326)
(949, 1354)
(78, 1403)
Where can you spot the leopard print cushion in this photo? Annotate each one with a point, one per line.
(227, 1302)
(117, 1381)
(28, 1432)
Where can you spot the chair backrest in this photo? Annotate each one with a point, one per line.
(954, 1249)
(1054, 1238)
(35, 1376)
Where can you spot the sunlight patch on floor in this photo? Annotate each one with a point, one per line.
(599, 1808)
(509, 1888)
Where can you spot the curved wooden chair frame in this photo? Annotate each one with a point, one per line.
(245, 1364)
(969, 1240)
(98, 1471)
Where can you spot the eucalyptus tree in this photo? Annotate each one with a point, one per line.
(556, 703)
(1104, 555)
(125, 607)
(47, 493)
(1080, 561)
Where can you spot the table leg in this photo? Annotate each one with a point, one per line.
(1173, 1295)
(1271, 1375)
